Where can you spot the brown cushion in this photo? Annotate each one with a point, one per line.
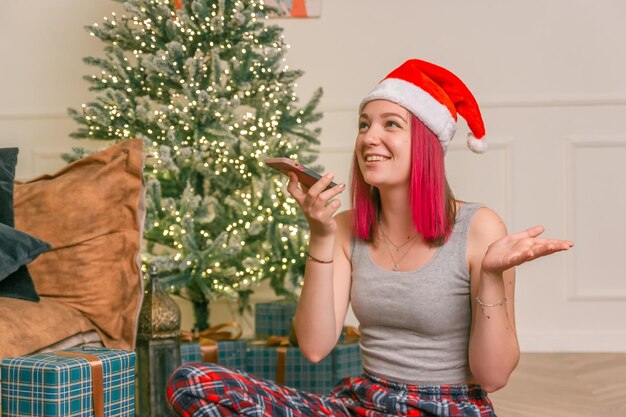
(26, 326)
(90, 213)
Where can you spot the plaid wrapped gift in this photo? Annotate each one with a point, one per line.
(287, 366)
(346, 361)
(96, 382)
(218, 344)
(274, 318)
(190, 352)
(347, 354)
(231, 353)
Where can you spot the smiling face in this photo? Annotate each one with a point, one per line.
(383, 144)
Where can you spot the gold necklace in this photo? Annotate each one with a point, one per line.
(397, 247)
(396, 264)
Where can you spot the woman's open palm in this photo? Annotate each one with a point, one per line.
(516, 249)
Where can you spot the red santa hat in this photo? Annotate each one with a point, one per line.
(435, 96)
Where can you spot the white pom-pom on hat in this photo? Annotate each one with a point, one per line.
(476, 145)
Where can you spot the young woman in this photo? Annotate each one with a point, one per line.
(431, 279)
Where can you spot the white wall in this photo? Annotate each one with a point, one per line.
(549, 77)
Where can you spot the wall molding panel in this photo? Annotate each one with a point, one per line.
(519, 102)
(595, 270)
(489, 102)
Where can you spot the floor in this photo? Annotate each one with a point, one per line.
(565, 385)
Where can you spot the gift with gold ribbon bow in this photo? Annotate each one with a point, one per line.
(218, 344)
(276, 358)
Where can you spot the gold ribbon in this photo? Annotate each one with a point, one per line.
(97, 378)
(214, 333)
(352, 335)
(207, 339)
(281, 364)
(281, 343)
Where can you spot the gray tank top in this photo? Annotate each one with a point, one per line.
(415, 325)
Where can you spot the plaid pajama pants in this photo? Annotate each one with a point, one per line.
(210, 390)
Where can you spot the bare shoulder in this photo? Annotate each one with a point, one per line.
(344, 231)
(487, 226)
(344, 219)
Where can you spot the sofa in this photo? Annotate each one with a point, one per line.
(70, 268)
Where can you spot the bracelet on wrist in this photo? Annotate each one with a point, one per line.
(483, 304)
(319, 261)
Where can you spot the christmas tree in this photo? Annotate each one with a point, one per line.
(205, 84)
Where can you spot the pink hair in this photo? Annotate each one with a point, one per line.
(431, 199)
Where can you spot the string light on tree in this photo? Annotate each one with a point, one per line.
(205, 83)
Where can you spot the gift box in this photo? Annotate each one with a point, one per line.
(85, 381)
(190, 352)
(218, 344)
(347, 355)
(346, 361)
(286, 366)
(274, 318)
(231, 353)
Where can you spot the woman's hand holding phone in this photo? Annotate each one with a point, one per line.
(315, 198)
(317, 203)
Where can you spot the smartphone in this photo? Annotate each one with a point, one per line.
(306, 176)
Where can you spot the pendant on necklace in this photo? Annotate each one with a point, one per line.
(395, 267)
